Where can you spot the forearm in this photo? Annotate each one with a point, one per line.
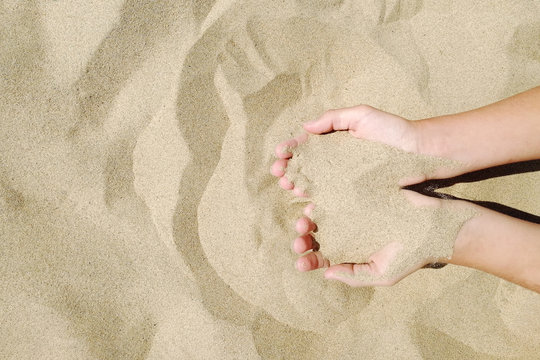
(504, 132)
(500, 245)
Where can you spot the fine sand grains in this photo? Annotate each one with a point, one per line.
(360, 208)
(138, 218)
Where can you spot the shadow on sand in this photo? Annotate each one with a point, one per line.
(430, 187)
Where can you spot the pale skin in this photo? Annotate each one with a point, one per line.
(504, 132)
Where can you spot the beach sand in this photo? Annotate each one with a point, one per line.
(138, 215)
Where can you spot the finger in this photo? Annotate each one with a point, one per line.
(304, 243)
(304, 225)
(299, 192)
(371, 273)
(345, 273)
(339, 119)
(355, 275)
(278, 167)
(283, 149)
(308, 210)
(312, 261)
(285, 184)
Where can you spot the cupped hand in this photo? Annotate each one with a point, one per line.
(381, 269)
(363, 122)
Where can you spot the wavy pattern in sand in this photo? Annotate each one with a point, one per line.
(120, 241)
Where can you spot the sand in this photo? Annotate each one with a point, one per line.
(138, 218)
(360, 207)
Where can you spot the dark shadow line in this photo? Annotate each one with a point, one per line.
(503, 209)
(508, 210)
(430, 187)
(479, 175)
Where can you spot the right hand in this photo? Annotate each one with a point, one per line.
(363, 122)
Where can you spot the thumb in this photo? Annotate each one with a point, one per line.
(335, 120)
(372, 273)
(355, 275)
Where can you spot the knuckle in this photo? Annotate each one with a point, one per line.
(364, 109)
(318, 260)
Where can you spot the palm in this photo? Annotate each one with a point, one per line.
(375, 271)
(377, 125)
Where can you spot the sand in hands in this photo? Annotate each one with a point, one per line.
(360, 207)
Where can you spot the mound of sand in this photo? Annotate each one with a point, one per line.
(359, 206)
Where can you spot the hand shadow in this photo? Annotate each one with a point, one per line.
(430, 187)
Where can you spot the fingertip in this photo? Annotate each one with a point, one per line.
(298, 245)
(311, 261)
(299, 192)
(282, 151)
(311, 126)
(303, 243)
(308, 210)
(285, 184)
(302, 225)
(278, 167)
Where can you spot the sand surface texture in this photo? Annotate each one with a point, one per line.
(138, 218)
(360, 207)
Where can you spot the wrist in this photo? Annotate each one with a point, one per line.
(466, 244)
(441, 137)
(470, 235)
(500, 245)
(431, 138)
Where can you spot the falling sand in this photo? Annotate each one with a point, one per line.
(359, 206)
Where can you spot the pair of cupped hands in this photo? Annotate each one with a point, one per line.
(363, 122)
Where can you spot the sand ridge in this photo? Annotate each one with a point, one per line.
(137, 215)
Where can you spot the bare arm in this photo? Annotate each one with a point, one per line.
(504, 132)
(500, 245)
(500, 133)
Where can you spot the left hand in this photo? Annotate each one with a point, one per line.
(373, 272)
